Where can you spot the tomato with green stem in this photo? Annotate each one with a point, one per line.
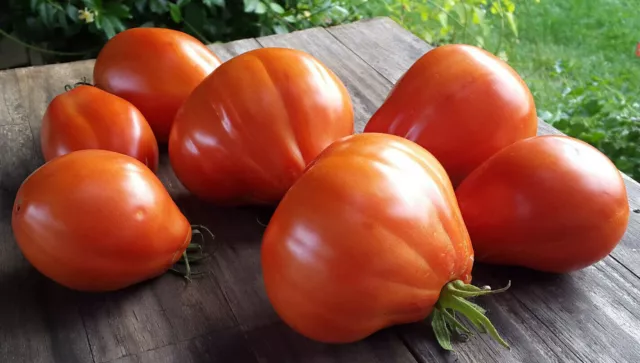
(368, 237)
(97, 220)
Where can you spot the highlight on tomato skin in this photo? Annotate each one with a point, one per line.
(155, 69)
(87, 117)
(368, 237)
(97, 220)
(462, 104)
(248, 131)
(549, 203)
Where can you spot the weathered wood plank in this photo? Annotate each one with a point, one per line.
(595, 302)
(39, 321)
(277, 343)
(11, 110)
(223, 346)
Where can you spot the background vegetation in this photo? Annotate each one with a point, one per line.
(578, 57)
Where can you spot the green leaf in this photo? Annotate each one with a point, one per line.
(277, 8)
(219, 3)
(117, 10)
(141, 5)
(182, 3)
(72, 12)
(512, 23)
(158, 6)
(46, 13)
(250, 5)
(261, 8)
(175, 12)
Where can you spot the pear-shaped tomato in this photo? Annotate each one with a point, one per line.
(97, 220)
(462, 104)
(370, 236)
(249, 129)
(89, 118)
(550, 203)
(155, 69)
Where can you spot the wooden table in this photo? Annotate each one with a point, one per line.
(592, 315)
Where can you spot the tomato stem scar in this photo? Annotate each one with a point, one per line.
(453, 300)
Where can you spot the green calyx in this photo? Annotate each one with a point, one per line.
(453, 300)
(193, 254)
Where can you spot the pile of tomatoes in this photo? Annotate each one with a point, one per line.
(370, 230)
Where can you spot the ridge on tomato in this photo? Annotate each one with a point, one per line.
(551, 203)
(247, 132)
(461, 103)
(97, 220)
(87, 117)
(368, 237)
(155, 69)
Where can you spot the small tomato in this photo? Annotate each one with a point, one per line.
(89, 118)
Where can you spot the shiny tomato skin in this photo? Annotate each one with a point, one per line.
(155, 69)
(97, 220)
(462, 104)
(549, 203)
(248, 130)
(365, 239)
(87, 117)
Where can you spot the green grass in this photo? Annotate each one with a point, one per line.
(564, 44)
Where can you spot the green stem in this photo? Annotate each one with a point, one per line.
(41, 50)
(193, 253)
(453, 300)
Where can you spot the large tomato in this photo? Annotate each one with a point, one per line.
(97, 220)
(248, 131)
(89, 118)
(550, 203)
(368, 237)
(462, 104)
(155, 69)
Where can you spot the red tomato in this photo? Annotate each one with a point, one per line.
(89, 118)
(155, 69)
(96, 220)
(366, 238)
(249, 130)
(550, 203)
(462, 104)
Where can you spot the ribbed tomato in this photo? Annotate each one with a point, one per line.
(550, 203)
(249, 129)
(89, 118)
(461, 103)
(369, 236)
(155, 69)
(97, 220)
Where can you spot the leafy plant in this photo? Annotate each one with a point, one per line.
(601, 115)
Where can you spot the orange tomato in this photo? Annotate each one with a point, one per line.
(549, 203)
(368, 237)
(248, 130)
(462, 104)
(97, 220)
(89, 118)
(155, 69)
